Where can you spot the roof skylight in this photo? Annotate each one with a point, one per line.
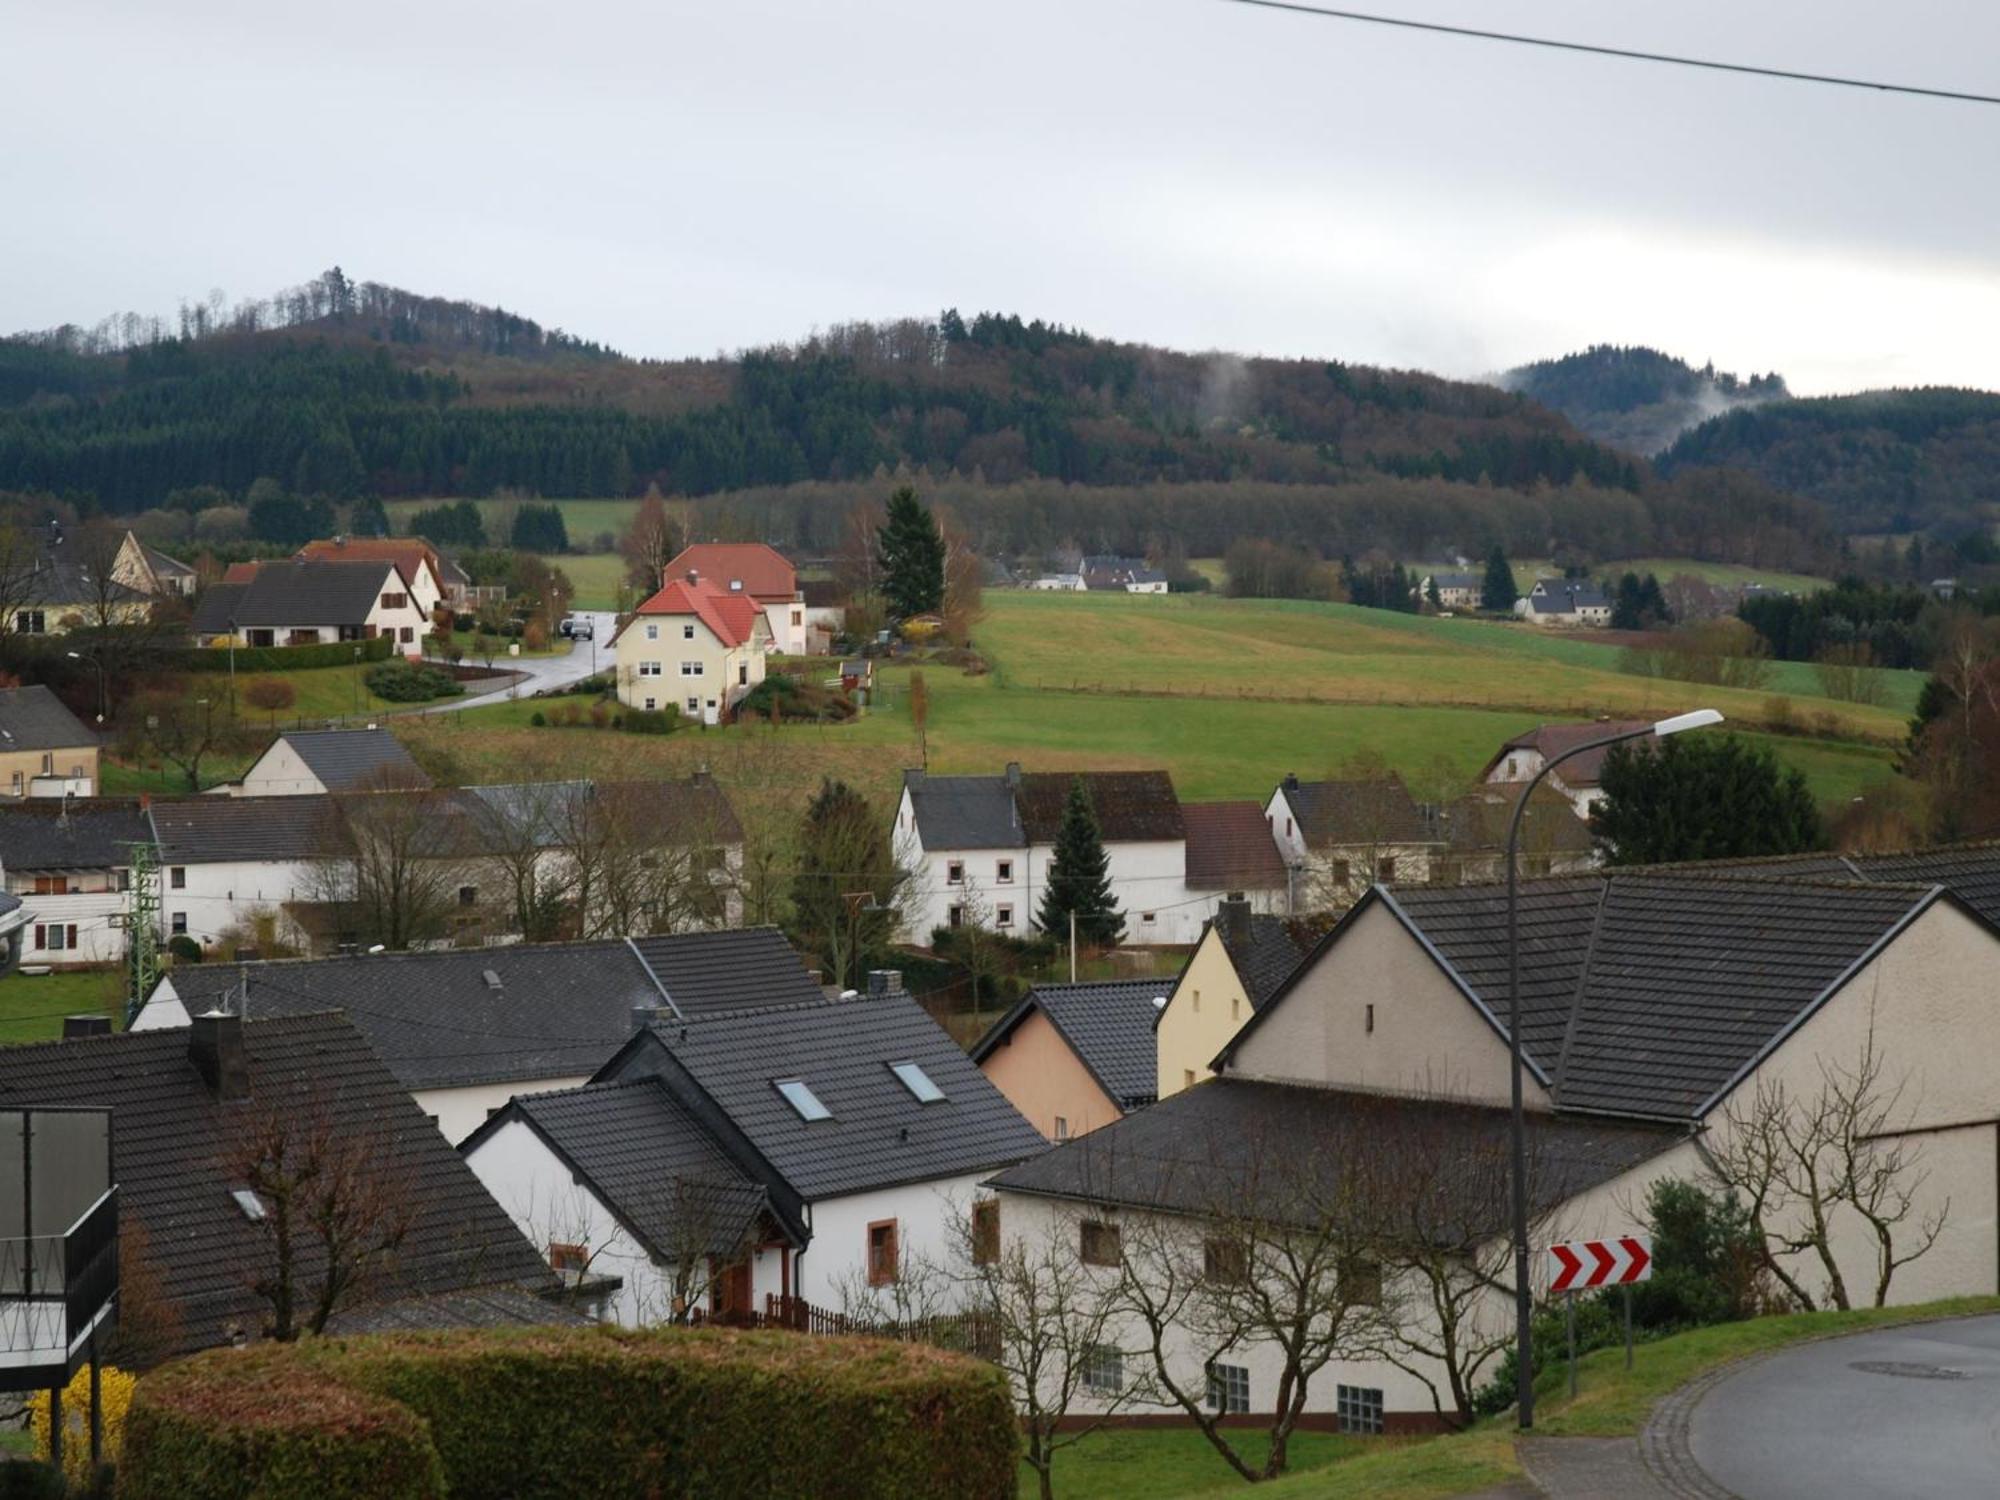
(252, 1206)
(918, 1082)
(802, 1099)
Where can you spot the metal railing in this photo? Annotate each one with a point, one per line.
(54, 1286)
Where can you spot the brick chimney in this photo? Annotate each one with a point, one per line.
(1291, 781)
(884, 982)
(215, 1047)
(1232, 920)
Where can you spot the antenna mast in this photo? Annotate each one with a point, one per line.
(142, 928)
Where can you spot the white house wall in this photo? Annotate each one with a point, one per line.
(837, 1258)
(460, 1111)
(229, 894)
(97, 916)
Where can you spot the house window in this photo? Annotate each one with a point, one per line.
(918, 1082)
(468, 895)
(882, 1252)
(743, 674)
(1223, 1261)
(798, 618)
(1062, 1128)
(690, 669)
(1361, 1282)
(1197, 1002)
(687, 632)
(1358, 1408)
(1385, 867)
(954, 872)
(954, 916)
(30, 622)
(1003, 916)
(178, 926)
(1288, 828)
(48, 762)
(1098, 1243)
(694, 706)
(802, 1099)
(55, 937)
(1235, 1007)
(1003, 871)
(568, 1256)
(986, 1232)
(652, 632)
(1146, 918)
(1229, 1388)
(395, 601)
(1104, 1369)
(1341, 873)
(735, 585)
(407, 634)
(649, 669)
(1187, 1078)
(177, 877)
(651, 704)
(51, 885)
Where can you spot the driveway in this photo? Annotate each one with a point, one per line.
(1903, 1414)
(543, 672)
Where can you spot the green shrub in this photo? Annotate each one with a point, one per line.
(651, 720)
(184, 948)
(538, 719)
(32, 1481)
(533, 1412)
(282, 658)
(794, 700)
(409, 682)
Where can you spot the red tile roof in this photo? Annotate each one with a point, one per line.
(410, 554)
(761, 571)
(1230, 848)
(732, 618)
(240, 572)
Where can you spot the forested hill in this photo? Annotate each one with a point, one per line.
(1881, 461)
(343, 390)
(1636, 398)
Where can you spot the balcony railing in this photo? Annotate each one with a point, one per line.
(55, 1291)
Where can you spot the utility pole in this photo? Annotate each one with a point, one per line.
(142, 928)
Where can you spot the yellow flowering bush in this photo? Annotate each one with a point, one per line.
(114, 1394)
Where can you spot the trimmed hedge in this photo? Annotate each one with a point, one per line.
(695, 1413)
(283, 658)
(411, 682)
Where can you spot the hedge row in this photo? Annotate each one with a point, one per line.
(284, 658)
(580, 1412)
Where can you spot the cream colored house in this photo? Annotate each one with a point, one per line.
(1075, 1057)
(1659, 1010)
(1240, 962)
(45, 750)
(694, 647)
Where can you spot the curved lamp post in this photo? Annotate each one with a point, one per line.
(1700, 718)
(99, 665)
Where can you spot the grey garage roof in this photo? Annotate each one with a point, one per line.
(1107, 1024)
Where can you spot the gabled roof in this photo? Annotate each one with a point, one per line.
(560, 1010)
(61, 575)
(347, 760)
(879, 1134)
(763, 572)
(293, 593)
(411, 555)
(1131, 806)
(1230, 848)
(1970, 872)
(1238, 1146)
(77, 833)
(730, 618)
(1457, 580)
(652, 1163)
(1267, 960)
(172, 1138)
(964, 812)
(161, 564)
(33, 718)
(1645, 994)
(1108, 1024)
(1478, 821)
(215, 830)
(1338, 814)
(1552, 740)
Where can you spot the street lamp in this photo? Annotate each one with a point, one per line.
(1524, 1374)
(99, 665)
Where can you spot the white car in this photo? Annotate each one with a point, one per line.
(579, 628)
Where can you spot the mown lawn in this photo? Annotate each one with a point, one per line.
(596, 576)
(32, 1005)
(1127, 1463)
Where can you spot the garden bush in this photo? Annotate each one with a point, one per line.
(651, 720)
(184, 948)
(533, 1412)
(282, 658)
(114, 1395)
(408, 682)
(794, 699)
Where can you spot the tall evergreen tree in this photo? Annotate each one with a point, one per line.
(912, 556)
(845, 891)
(1079, 878)
(1702, 797)
(1499, 594)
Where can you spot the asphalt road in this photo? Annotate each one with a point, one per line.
(543, 672)
(1903, 1414)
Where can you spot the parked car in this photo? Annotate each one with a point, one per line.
(579, 628)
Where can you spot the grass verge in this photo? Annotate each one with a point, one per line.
(32, 1005)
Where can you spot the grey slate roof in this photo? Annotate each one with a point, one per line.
(211, 830)
(1267, 959)
(33, 718)
(650, 1161)
(879, 1135)
(298, 593)
(1333, 814)
(1107, 1024)
(1970, 872)
(172, 1138)
(346, 760)
(1232, 1146)
(1649, 994)
(561, 1009)
(964, 812)
(87, 833)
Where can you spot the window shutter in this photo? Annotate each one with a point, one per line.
(41, 935)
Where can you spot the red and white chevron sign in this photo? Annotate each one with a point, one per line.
(1583, 1264)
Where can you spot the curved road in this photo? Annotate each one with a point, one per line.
(1903, 1414)
(542, 672)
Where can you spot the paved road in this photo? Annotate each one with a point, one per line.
(1904, 1414)
(542, 671)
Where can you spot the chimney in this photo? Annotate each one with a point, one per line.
(76, 1026)
(1014, 775)
(1291, 781)
(693, 577)
(884, 982)
(1232, 917)
(215, 1047)
(644, 1016)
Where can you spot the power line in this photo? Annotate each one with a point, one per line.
(1624, 52)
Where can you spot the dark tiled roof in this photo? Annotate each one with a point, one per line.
(964, 812)
(1333, 814)
(298, 593)
(651, 1162)
(1970, 872)
(1230, 848)
(879, 1134)
(172, 1140)
(1131, 806)
(1233, 1145)
(206, 830)
(88, 833)
(221, 604)
(346, 760)
(1108, 1025)
(62, 576)
(1268, 959)
(729, 969)
(696, 810)
(163, 565)
(1478, 821)
(1552, 740)
(33, 718)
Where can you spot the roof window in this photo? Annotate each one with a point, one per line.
(802, 1099)
(918, 1082)
(252, 1206)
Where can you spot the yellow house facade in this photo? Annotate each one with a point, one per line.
(1238, 963)
(693, 648)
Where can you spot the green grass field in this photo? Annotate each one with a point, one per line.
(582, 519)
(596, 576)
(32, 1005)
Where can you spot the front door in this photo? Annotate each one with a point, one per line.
(730, 1296)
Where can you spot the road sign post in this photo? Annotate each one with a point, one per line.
(1585, 1265)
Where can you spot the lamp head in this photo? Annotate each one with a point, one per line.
(1700, 718)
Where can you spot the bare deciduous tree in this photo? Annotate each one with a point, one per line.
(405, 856)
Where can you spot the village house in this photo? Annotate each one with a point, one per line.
(75, 580)
(767, 578)
(149, 571)
(1521, 759)
(846, 1140)
(980, 848)
(694, 647)
(1472, 832)
(70, 864)
(1059, 583)
(1454, 590)
(1239, 963)
(313, 602)
(413, 557)
(45, 750)
(229, 864)
(465, 1030)
(1231, 853)
(1663, 1015)
(313, 762)
(1073, 1057)
(1122, 575)
(1564, 601)
(182, 1106)
(1340, 837)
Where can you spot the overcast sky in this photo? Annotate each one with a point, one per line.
(675, 179)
